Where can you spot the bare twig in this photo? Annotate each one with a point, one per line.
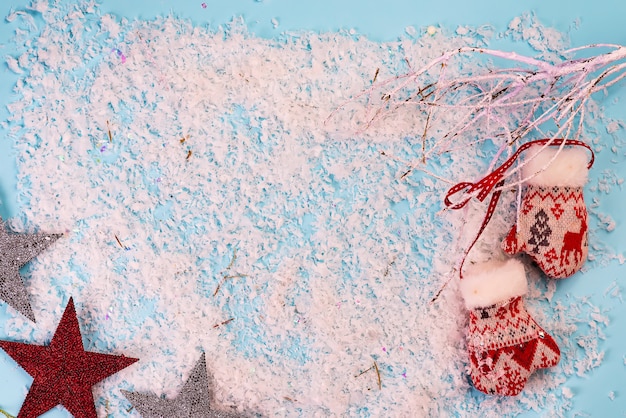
(226, 276)
(228, 321)
(380, 384)
(508, 105)
(375, 368)
(6, 414)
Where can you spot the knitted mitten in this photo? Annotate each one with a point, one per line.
(552, 226)
(505, 343)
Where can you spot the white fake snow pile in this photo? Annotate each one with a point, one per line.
(218, 148)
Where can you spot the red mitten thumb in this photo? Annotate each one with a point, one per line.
(511, 244)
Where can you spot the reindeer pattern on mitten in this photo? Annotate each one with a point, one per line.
(552, 229)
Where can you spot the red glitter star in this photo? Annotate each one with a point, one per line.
(63, 371)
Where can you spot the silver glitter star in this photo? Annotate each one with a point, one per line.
(15, 251)
(193, 401)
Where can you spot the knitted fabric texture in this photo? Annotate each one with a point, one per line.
(506, 346)
(552, 229)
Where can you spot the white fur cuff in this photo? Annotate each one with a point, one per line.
(495, 281)
(569, 168)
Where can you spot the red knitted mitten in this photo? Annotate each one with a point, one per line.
(552, 226)
(505, 343)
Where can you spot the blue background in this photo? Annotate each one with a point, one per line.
(600, 21)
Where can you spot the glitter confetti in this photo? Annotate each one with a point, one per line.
(120, 54)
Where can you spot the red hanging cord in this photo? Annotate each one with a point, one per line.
(495, 179)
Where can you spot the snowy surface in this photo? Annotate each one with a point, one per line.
(210, 205)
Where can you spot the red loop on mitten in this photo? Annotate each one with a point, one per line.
(495, 179)
(484, 186)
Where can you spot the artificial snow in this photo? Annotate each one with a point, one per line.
(210, 204)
